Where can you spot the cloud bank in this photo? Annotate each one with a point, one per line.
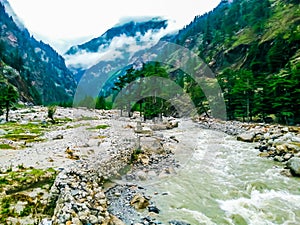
(119, 47)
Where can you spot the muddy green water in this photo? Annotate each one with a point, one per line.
(223, 181)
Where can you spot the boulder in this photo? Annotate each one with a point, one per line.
(246, 137)
(144, 159)
(172, 124)
(139, 202)
(294, 129)
(153, 209)
(156, 127)
(294, 165)
(141, 175)
(287, 156)
(295, 139)
(278, 158)
(115, 221)
(264, 154)
(281, 149)
(151, 145)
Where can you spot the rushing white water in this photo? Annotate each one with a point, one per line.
(225, 182)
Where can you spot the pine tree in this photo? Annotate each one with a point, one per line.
(8, 97)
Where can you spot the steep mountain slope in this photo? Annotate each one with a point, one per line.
(118, 43)
(253, 47)
(40, 74)
(225, 35)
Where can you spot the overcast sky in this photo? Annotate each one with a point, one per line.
(63, 23)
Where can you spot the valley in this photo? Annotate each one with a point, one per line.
(146, 124)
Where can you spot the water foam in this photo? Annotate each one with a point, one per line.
(264, 208)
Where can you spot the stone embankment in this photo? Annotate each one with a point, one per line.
(78, 190)
(79, 193)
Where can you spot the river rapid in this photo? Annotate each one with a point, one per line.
(223, 181)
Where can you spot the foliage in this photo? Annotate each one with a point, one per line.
(135, 155)
(101, 126)
(39, 73)
(253, 47)
(17, 183)
(8, 97)
(51, 112)
(101, 103)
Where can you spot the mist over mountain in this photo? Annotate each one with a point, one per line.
(10, 12)
(252, 46)
(119, 42)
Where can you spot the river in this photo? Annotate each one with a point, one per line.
(223, 181)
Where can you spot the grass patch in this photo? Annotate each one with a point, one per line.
(21, 137)
(16, 184)
(63, 120)
(281, 20)
(29, 132)
(102, 126)
(24, 178)
(6, 146)
(23, 132)
(246, 37)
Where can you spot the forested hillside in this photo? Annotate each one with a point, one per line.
(253, 47)
(34, 68)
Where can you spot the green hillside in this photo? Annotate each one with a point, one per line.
(253, 47)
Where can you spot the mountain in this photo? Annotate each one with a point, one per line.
(38, 71)
(253, 46)
(119, 42)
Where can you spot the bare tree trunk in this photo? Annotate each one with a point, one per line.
(7, 111)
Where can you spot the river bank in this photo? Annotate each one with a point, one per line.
(86, 148)
(108, 166)
(278, 142)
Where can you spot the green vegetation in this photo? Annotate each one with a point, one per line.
(87, 118)
(135, 155)
(99, 102)
(8, 97)
(150, 100)
(102, 126)
(6, 146)
(22, 133)
(16, 185)
(29, 132)
(253, 47)
(51, 112)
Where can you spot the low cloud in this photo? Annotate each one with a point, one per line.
(121, 46)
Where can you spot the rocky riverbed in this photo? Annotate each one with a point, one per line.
(87, 148)
(99, 159)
